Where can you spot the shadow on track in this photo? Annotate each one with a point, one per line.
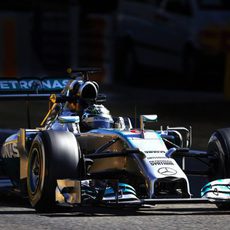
(147, 211)
(15, 205)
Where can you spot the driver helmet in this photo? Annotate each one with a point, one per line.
(97, 116)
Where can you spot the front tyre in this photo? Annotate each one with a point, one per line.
(53, 155)
(219, 149)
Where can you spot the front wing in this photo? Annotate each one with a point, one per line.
(69, 192)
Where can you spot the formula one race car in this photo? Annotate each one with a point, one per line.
(81, 155)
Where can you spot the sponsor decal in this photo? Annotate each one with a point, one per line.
(10, 150)
(166, 171)
(30, 84)
(154, 151)
(161, 162)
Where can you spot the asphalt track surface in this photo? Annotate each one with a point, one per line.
(16, 215)
(204, 111)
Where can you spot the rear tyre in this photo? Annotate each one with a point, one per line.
(219, 148)
(53, 155)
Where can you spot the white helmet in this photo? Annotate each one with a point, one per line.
(97, 116)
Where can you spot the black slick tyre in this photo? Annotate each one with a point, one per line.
(53, 155)
(219, 149)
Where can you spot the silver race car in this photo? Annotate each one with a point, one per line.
(82, 155)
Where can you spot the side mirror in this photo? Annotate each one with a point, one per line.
(147, 119)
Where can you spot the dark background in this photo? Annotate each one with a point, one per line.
(40, 38)
(44, 38)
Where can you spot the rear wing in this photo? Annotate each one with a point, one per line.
(30, 88)
(40, 88)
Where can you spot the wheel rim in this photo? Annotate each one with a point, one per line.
(35, 170)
